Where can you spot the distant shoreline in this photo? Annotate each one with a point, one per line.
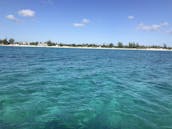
(43, 46)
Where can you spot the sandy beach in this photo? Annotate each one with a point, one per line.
(148, 49)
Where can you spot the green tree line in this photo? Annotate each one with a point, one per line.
(107, 45)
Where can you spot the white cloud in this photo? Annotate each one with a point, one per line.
(11, 17)
(131, 17)
(83, 23)
(26, 13)
(78, 24)
(153, 27)
(144, 27)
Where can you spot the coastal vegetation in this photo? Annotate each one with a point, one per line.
(12, 41)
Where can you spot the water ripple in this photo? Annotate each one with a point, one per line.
(43, 88)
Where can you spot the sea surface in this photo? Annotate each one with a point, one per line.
(56, 88)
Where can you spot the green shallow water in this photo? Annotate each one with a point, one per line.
(46, 88)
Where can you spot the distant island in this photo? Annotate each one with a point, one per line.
(119, 45)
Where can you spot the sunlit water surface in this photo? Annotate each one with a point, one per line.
(47, 88)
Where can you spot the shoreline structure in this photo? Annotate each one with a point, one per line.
(113, 48)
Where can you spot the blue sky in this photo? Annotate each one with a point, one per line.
(87, 21)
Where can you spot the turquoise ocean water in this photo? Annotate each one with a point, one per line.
(47, 88)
